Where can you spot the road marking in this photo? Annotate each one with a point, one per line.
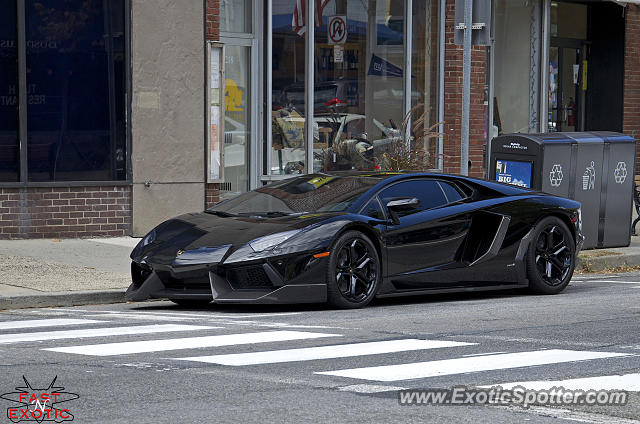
(614, 281)
(629, 382)
(186, 314)
(570, 415)
(324, 352)
(144, 317)
(97, 332)
(470, 364)
(369, 388)
(34, 323)
(124, 348)
(483, 354)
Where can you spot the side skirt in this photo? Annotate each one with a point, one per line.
(455, 290)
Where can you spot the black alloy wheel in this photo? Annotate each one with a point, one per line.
(551, 257)
(354, 271)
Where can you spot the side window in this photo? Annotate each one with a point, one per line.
(452, 193)
(373, 210)
(427, 191)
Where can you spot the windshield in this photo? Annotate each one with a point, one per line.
(309, 193)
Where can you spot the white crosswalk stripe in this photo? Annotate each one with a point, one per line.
(383, 368)
(324, 352)
(463, 365)
(143, 346)
(98, 332)
(629, 382)
(35, 323)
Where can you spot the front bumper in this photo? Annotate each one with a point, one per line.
(299, 280)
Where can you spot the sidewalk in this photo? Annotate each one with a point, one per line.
(64, 272)
(47, 273)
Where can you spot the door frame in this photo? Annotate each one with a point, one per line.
(581, 46)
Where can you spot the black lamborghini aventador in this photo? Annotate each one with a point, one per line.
(347, 238)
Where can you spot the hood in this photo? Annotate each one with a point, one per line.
(203, 230)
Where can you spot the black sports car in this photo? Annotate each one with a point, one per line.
(346, 238)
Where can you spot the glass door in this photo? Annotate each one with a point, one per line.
(566, 88)
(237, 119)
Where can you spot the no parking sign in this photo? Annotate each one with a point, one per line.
(337, 29)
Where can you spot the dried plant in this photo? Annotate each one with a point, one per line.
(409, 148)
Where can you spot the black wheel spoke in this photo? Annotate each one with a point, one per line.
(356, 269)
(551, 251)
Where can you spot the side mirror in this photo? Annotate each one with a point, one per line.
(403, 204)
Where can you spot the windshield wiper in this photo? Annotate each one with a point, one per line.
(220, 213)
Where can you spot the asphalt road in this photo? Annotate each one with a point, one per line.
(157, 363)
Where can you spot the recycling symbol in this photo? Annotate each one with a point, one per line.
(555, 176)
(620, 173)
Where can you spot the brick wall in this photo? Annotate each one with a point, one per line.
(212, 194)
(453, 101)
(212, 20)
(631, 107)
(65, 212)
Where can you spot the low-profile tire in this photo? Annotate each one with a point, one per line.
(354, 271)
(551, 257)
(191, 303)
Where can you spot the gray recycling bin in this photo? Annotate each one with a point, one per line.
(594, 168)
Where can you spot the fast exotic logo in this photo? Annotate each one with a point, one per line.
(39, 404)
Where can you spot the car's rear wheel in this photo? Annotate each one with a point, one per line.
(551, 257)
(191, 303)
(354, 271)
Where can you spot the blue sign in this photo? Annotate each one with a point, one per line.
(381, 68)
(514, 173)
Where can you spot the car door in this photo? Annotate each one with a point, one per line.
(428, 237)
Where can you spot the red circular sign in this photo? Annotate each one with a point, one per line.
(337, 29)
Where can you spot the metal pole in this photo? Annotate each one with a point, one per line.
(269, 82)
(308, 83)
(22, 91)
(466, 87)
(442, 8)
(408, 49)
(544, 75)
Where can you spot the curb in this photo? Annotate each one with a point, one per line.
(53, 299)
(603, 262)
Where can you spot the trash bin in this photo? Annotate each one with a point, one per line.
(594, 168)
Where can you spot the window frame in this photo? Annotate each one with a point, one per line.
(22, 110)
(263, 169)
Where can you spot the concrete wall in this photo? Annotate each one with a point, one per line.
(167, 56)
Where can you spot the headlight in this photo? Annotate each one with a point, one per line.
(148, 239)
(262, 247)
(270, 241)
(580, 219)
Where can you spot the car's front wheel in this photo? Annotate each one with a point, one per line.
(354, 271)
(551, 257)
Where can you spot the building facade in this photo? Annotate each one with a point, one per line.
(117, 114)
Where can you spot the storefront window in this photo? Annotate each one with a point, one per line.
(75, 90)
(359, 97)
(237, 120)
(424, 83)
(517, 66)
(287, 89)
(9, 141)
(235, 15)
(358, 88)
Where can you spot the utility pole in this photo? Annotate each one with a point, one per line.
(466, 87)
